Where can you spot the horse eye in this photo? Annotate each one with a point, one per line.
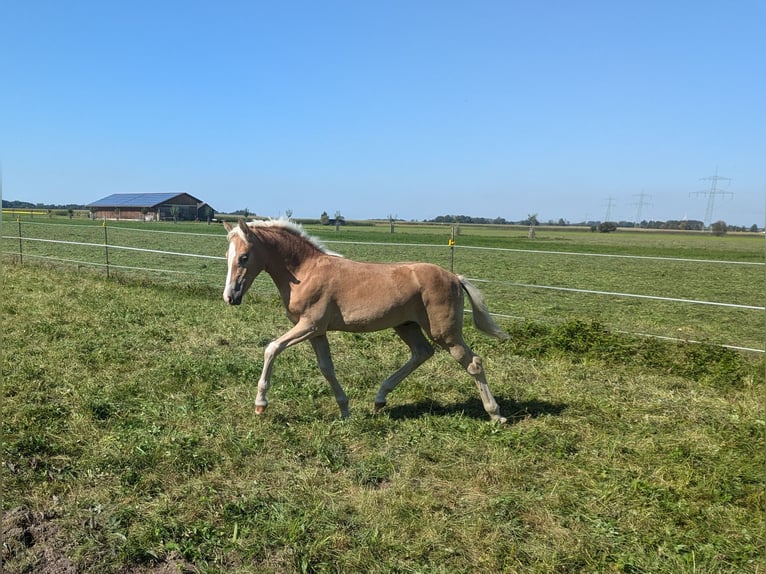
(243, 260)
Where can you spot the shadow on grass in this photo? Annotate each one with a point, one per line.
(512, 410)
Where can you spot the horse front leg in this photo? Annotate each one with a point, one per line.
(299, 333)
(324, 358)
(261, 402)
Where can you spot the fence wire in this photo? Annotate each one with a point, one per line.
(105, 247)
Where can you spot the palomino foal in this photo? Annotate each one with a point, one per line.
(322, 291)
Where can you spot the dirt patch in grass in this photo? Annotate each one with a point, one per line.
(32, 542)
(172, 564)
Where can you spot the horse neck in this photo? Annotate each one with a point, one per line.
(283, 254)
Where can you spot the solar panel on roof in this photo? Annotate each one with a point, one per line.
(134, 199)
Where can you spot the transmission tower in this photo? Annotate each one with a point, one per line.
(642, 202)
(711, 193)
(610, 202)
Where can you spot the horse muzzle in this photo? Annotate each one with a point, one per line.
(233, 296)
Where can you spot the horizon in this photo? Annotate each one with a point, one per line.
(488, 219)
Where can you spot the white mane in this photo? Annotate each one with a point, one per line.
(287, 225)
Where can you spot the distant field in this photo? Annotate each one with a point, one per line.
(501, 257)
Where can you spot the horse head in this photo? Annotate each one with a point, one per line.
(243, 261)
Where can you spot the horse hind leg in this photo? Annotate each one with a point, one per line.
(421, 350)
(473, 364)
(322, 349)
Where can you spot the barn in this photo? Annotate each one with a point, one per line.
(172, 206)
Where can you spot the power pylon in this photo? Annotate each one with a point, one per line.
(642, 202)
(711, 194)
(610, 201)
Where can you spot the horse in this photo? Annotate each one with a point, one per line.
(323, 291)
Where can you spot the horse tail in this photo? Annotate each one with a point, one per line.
(481, 317)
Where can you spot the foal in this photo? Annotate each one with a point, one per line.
(322, 291)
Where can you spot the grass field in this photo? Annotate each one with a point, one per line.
(130, 443)
(501, 257)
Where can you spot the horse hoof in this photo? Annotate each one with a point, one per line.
(260, 409)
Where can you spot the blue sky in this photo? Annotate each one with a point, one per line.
(409, 108)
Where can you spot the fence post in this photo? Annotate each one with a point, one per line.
(21, 251)
(451, 244)
(106, 247)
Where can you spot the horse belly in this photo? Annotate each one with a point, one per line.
(384, 297)
(376, 315)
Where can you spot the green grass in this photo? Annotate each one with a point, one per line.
(130, 443)
(504, 266)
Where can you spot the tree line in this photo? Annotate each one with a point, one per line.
(671, 224)
(15, 204)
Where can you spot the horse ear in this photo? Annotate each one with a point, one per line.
(246, 230)
(227, 226)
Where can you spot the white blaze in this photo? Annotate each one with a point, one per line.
(232, 258)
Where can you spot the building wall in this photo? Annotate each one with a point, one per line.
(162, 213)
(124, 213)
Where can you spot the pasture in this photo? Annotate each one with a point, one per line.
(130, 443)
(506, 264)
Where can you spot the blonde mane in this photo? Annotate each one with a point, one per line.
(286, 225)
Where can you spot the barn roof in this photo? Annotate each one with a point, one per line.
(137, 199)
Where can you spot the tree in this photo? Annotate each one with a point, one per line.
(718, 228)
(532, 223)
(324, 219)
